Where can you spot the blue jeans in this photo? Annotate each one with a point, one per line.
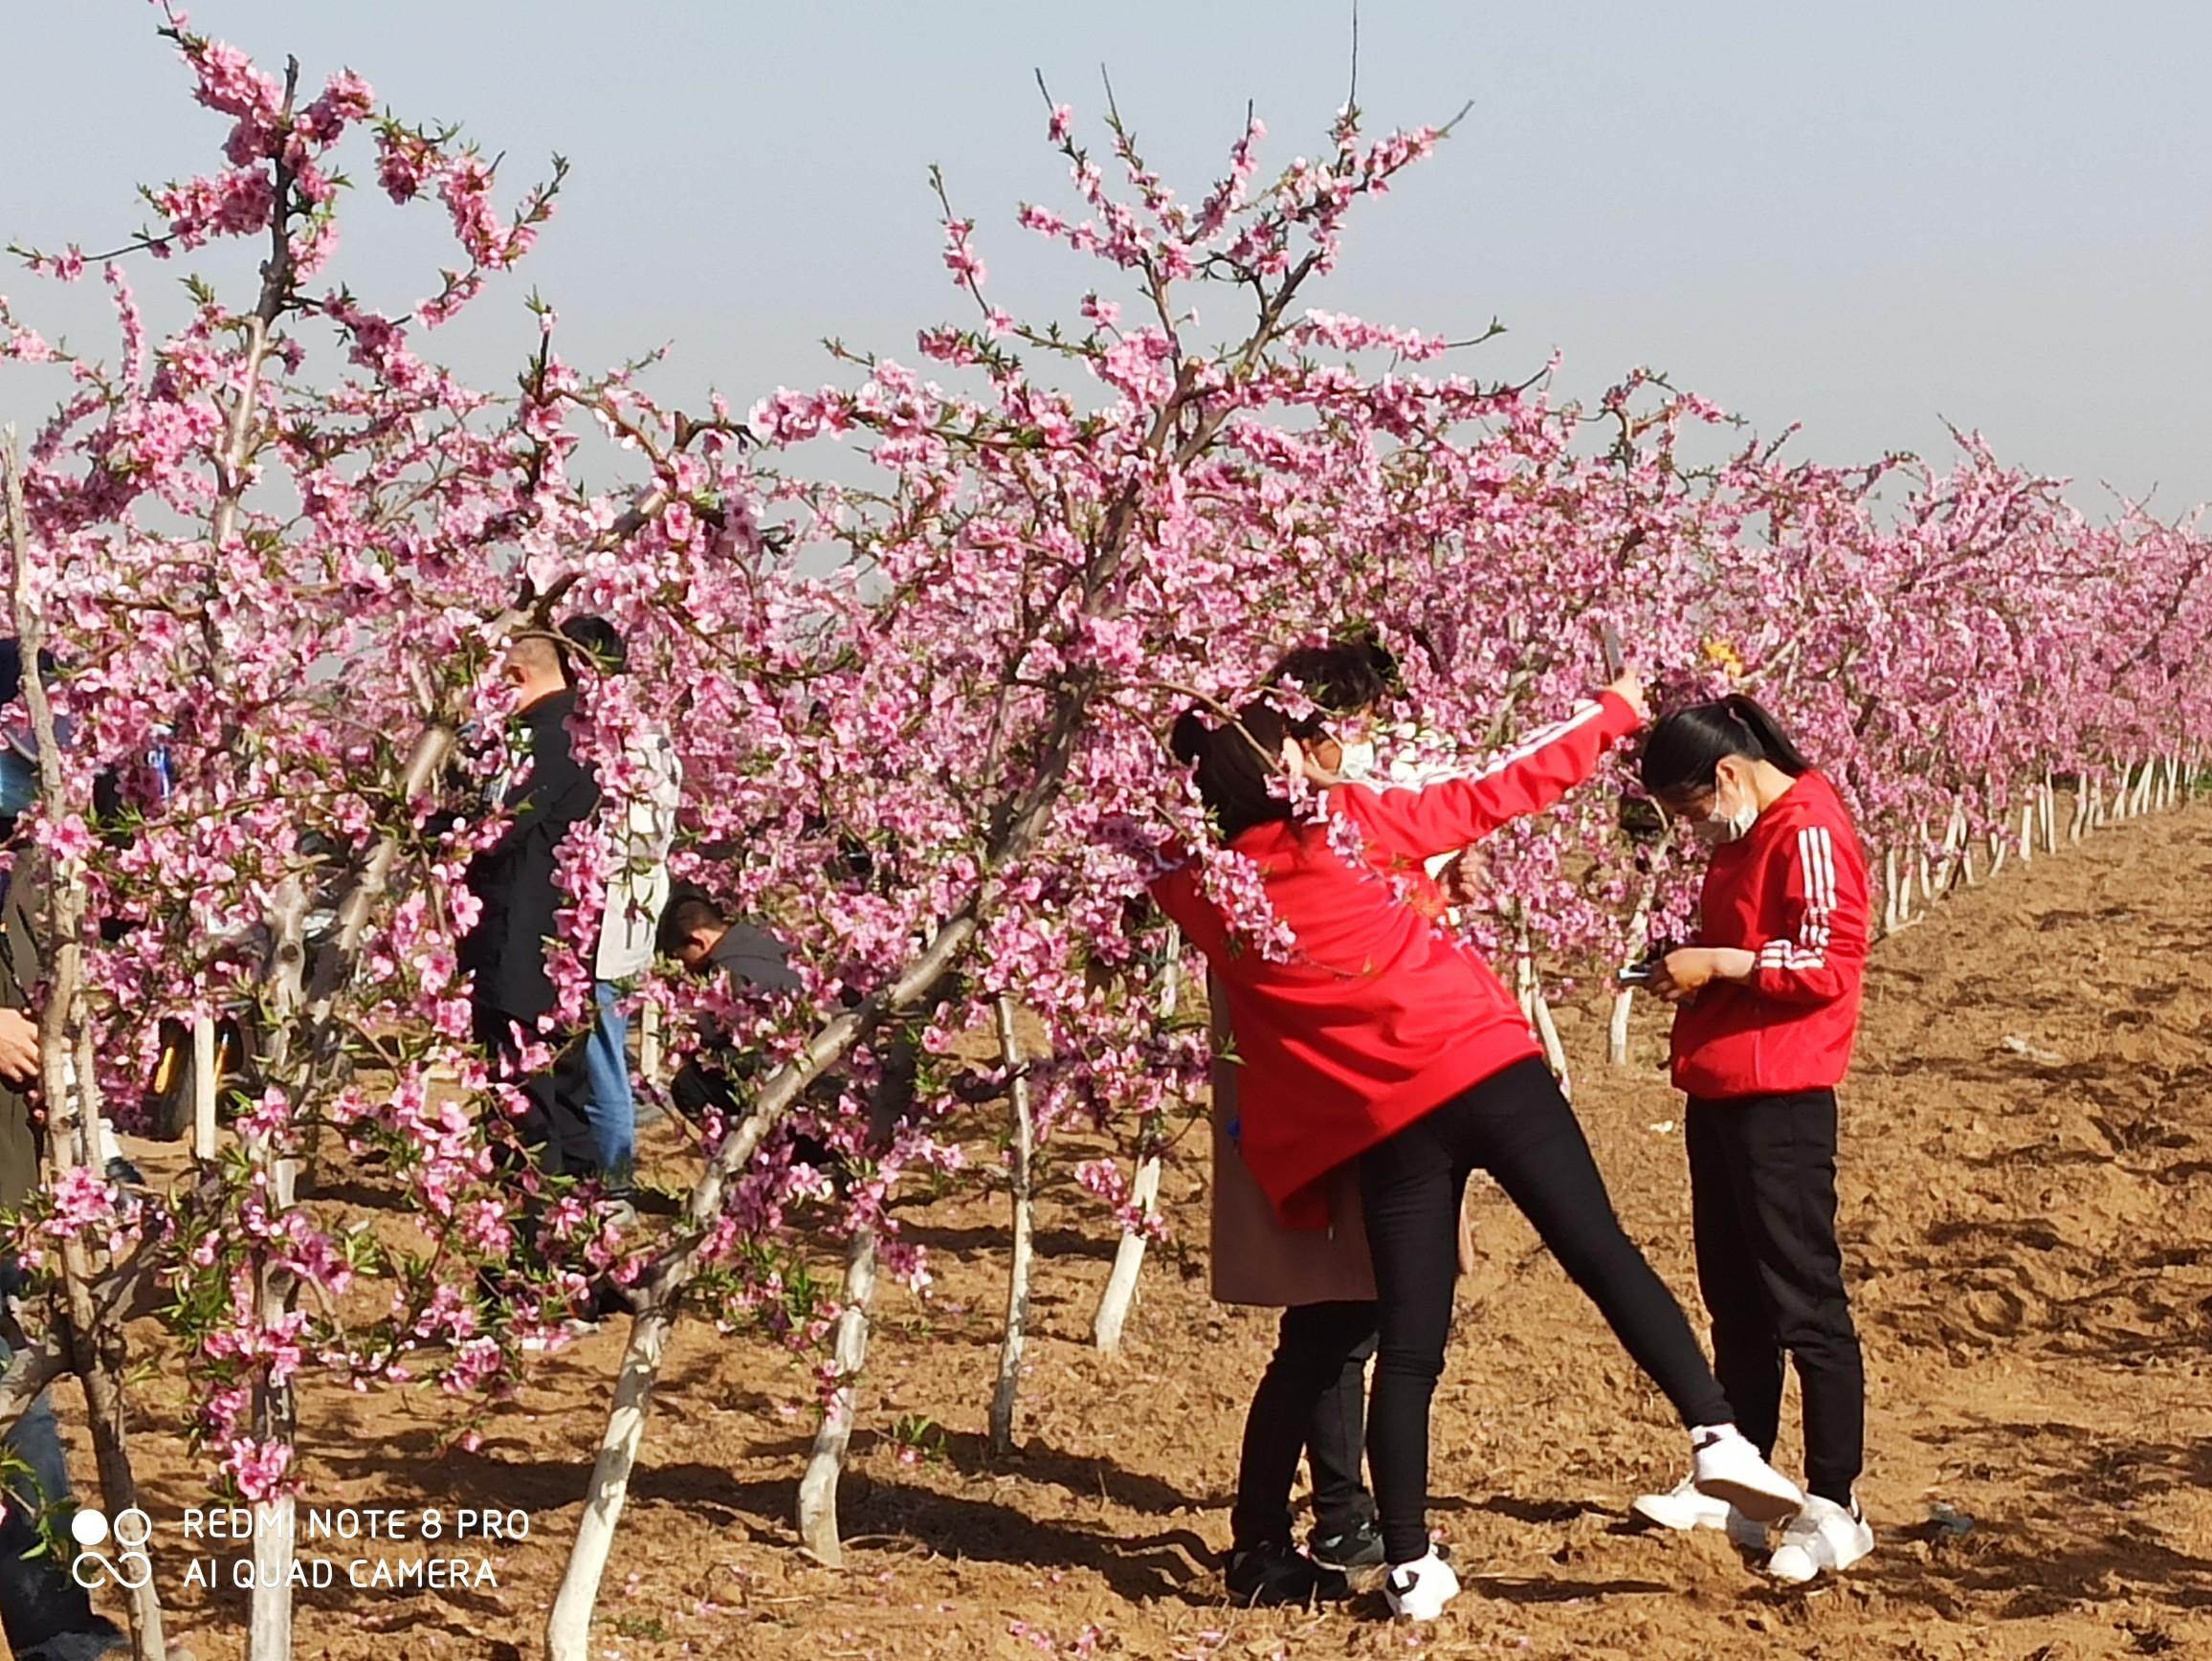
(607, 1070)
(45, 1614)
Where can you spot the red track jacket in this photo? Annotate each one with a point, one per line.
(1793, 892)
(1381, 1016)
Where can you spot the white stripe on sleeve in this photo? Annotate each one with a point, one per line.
(1817, 861)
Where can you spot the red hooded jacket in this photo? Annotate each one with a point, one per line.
(1793, 892)
(1380, 1016)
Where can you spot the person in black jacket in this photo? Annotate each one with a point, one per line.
(514, 881)
(694, 932)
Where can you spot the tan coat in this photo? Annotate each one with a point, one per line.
(1255, 1259)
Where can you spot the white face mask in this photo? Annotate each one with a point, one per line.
(1720, 826)
(1358, 761)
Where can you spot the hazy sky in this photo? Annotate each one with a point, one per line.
(1868, 218)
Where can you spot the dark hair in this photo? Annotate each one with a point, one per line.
(1687, 746)
(1237, 776)
(597, 638)
(689, 909)
(1347, 673)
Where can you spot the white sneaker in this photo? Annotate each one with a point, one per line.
(1418, 1591)
(1823, 1535)
(1726, 1467)
(1683, 1508)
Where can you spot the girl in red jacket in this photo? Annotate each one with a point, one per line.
(1766, 1007)
(1375, 1036)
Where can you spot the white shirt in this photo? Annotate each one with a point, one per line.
(639, 886)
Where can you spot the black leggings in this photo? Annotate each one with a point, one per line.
(1311, 1400)
(1762, 1190)
(1517, 1127)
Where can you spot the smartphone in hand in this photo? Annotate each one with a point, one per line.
(1609, 643)
(1644, 969)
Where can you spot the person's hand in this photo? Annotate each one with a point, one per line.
(1683, 973)
(18, 1046)
(1629, 689)
(1464, 880)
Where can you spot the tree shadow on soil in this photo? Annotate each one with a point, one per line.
(1536, 1511)
(414, 1611)
(1528, 1592)
(2067, 1540)
(990, 1240)
(1998, 1282)
(870, 1511)
(1172, 1564)
(1079, 1476)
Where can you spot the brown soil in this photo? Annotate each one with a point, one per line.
(2027, 1224)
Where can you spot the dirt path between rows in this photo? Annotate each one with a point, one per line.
(2028, 1178)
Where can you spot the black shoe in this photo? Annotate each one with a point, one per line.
(1271, 1573)
(1348, 1549)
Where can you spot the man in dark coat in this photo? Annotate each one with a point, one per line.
(514, 881)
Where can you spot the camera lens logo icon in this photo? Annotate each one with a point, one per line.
(130, 1568)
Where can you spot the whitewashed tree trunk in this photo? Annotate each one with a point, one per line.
(2144, 786)
(1533, 1003)
(1923, 869)
(2050, 811)
(1624, 997)
(2000, 850)
(1947, 861)
(205, 1087)
(817, 1510)
(568, 1631)
(649, 1044)
(274, 1546)
(1555, 1051)
(1120, 1293)
(2078, 822)
(1003, 1399)
(2027, 834)
(1893, 918)
(818, 1488)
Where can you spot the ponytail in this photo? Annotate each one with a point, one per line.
(1685, 750)
(1774, 744)
(1239, 778)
